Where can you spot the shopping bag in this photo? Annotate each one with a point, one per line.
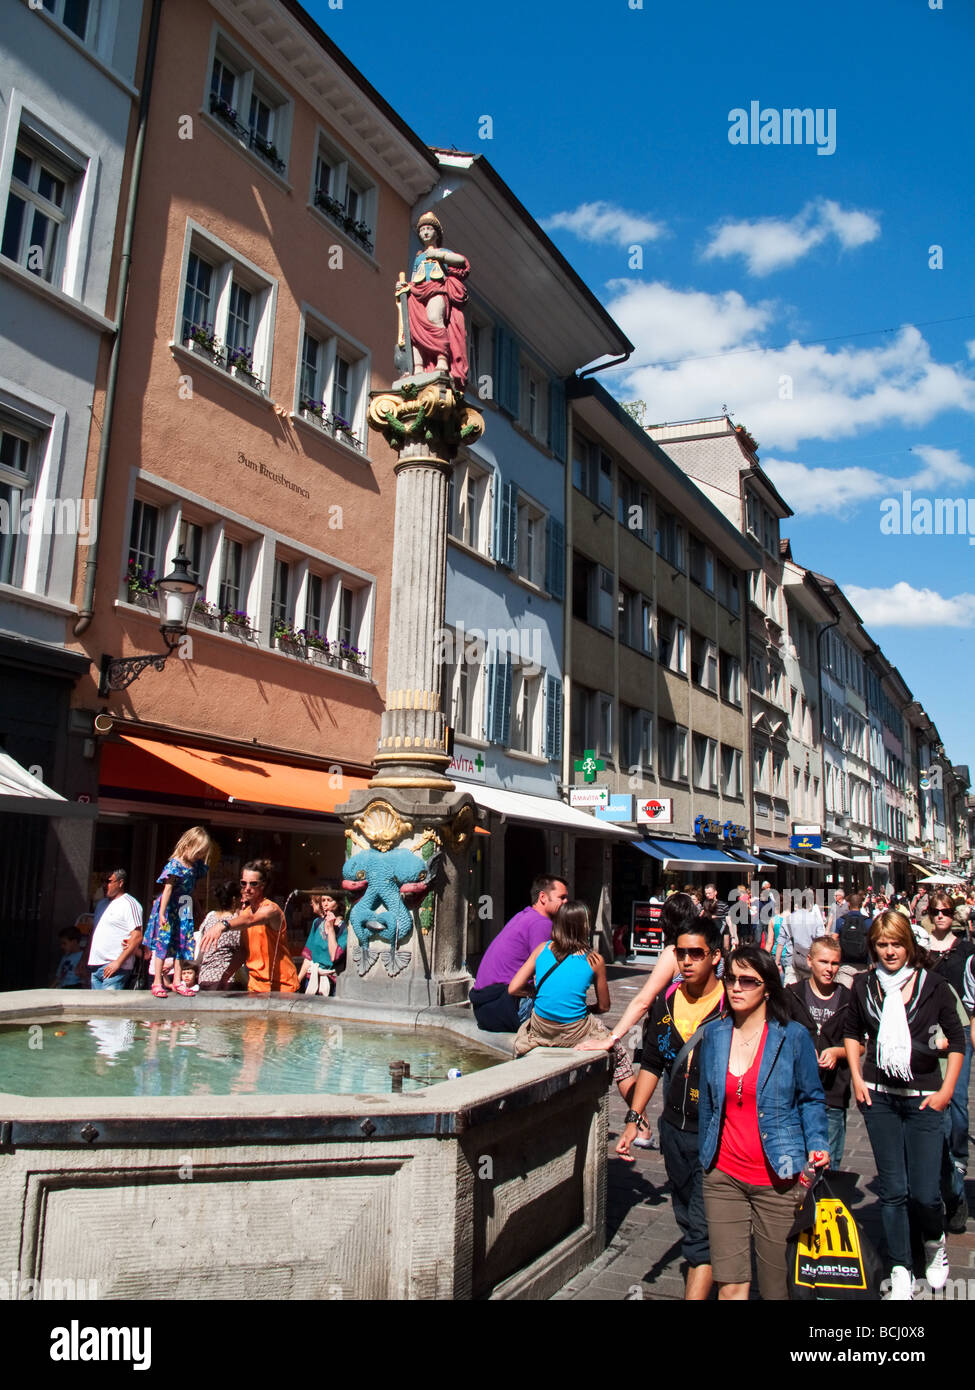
(828, 1254)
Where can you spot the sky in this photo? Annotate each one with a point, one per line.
(820, 290)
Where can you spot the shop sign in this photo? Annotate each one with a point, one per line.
(806, 841)
(730, 831)
(589, 796)
(653, 812)
(881, 858)
(861, 858)
(467, 762)
(620, 808)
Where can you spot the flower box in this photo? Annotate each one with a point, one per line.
(143, 599)
(292, 646)
(207, 620)
(247, 377)
(238, 629)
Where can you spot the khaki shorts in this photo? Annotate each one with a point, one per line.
(737, 1212)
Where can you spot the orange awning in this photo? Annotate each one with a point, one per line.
(253, 781)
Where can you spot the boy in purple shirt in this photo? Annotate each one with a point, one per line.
(495, 1010)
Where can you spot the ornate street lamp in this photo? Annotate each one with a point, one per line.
(175, 595)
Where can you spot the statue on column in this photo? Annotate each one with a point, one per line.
(434, 300)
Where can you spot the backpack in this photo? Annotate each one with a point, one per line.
(853, 931)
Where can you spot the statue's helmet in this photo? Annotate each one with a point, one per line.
(430, 219)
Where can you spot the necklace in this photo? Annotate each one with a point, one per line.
(748, 1044)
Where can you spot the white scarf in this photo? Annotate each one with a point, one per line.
(894, 1036)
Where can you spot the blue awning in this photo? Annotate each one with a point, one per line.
(752, 859)
(686, 854)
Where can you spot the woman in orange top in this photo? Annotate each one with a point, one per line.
(263, 934)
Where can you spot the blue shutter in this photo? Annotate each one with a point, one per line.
(507, 368)
(505, 522)
(555, 557)
(553, 718)
(498, 723)
(556, 420)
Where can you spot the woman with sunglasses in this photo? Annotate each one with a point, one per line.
(263, 932)
(761, 1117)
(901, 1009)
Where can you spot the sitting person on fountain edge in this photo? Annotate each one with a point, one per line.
(495, 1010)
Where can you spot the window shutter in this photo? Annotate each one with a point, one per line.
(555, 557)
(556, 420)
(498, 728)
(553, 718)
(505, 522)
(507, 368)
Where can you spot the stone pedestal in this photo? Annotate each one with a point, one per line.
(411, 828)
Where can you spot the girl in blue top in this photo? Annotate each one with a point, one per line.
(563, 969)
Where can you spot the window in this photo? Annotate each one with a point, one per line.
(606, 599)
(701, 565)
(771, 599)
(249, 106)
(591, 722)
(730, 771)
(730, 674)
(604, 713)
(671, 642)
(583, 585)
(673, 751)
(635, 620)
(669, 536)
(76, 15)
(533, 400)
(479, 351)
(637, 738)
(190, 536)
(704, 662)
(144, 541)
(344, 194)
(462, 687)
(334, 608)
(316, 605)
(17, 482)
(592, 472)
(753, 515)
(531, 542)
(727, 588)
(227, 311)
(760, 755)
(770, 532)
(232, 598)
(48, 204)
(705, 762)
(633, 506)
(470, 507)
(281, 595)
(333, 384)
(526, 691)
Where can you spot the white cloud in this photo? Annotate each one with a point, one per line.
(771, 243)
(781, 394)
(605, 222)
(810, 490)
(970, 348)
(904, 606)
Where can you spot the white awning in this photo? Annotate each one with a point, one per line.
(831, 854)
(17, 781)
(544, 809)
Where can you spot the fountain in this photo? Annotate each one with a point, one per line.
(490, 1184)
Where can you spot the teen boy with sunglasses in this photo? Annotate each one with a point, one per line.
(670, 1046)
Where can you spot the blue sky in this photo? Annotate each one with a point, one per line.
(775, 280)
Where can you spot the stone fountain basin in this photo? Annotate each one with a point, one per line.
(489, 1186)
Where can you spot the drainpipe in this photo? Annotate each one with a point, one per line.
(605, 366)
(91, 562)
(822, 710)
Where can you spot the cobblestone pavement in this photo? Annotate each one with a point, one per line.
(642, 1256)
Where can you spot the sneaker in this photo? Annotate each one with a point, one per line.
(936, 1262)
(901, 1285)
(956, 1216)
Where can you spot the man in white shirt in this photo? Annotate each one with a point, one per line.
(117, 937)
(839, 909)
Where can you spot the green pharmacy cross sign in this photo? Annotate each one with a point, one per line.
(589, 765)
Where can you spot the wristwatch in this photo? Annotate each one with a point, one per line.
(632, 1117)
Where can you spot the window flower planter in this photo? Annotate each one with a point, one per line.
(206, 619)
(144, 598)
(245, 375)
(291, 646)
(241, 630)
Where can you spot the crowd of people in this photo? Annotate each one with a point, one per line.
(248, 941)
(762, 1024)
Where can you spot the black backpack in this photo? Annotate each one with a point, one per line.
(853, 931)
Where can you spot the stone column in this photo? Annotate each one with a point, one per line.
(411, 826)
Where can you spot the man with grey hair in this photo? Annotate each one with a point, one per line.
(117, 937)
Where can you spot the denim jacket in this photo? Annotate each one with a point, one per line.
(791, 1106)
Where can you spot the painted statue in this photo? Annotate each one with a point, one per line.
(434, 298)
(392, 882)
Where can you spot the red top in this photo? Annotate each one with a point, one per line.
(740, 1154)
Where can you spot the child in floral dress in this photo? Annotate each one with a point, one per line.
(170, 930)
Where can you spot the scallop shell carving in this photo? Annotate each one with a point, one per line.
(382, 826)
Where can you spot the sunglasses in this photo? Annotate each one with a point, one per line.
(250, 883)
(690, 952)
(743, 982)
(942, 912)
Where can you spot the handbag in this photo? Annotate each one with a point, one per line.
(828, 1254)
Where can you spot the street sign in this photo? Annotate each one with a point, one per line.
(589, 796)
